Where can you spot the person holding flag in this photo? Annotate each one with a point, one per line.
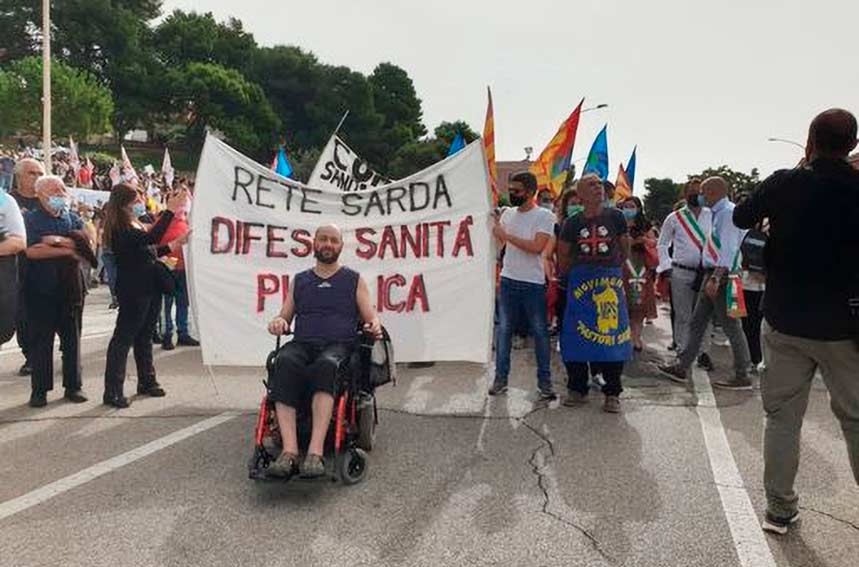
(721, 295)
(525, 231)
(682, 245)
(592, 249)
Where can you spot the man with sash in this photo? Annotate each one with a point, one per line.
(683, 242)
(811, 305)
(592, 249)
(720, 295)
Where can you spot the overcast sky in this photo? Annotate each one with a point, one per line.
(692, 83)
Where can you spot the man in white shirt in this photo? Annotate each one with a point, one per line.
(526, 231)
(721, 260)
(13, 240)
(682, 245)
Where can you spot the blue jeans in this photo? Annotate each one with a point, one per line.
(530, 298)
(181, 297)
(109, 261)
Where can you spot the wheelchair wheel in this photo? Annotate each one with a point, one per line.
(366, 424)
(352, 466)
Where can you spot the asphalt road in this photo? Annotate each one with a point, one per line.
(456, 478)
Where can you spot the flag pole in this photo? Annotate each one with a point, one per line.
(342, 120)
(46, 84)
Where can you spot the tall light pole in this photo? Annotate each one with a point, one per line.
(783, 141)
(597, 107)
(46, 84)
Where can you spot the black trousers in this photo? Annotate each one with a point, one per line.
(51, 315)
(578, 374)
(135, 324)
(302, 369)
(752, 323)
(22, 331)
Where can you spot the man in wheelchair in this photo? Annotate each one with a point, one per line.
(326, 302)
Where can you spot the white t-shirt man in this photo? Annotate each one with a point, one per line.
(11, 221)
(520, 265)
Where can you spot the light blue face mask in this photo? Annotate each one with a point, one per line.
(630, 214)
(138, 210)
(58, 204)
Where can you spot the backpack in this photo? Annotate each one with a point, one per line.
(752, 249)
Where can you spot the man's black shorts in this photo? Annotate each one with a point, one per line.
(302, 369)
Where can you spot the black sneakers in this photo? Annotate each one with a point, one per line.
(187, 340)
(674, 373)
(705, 362)
(498, 389)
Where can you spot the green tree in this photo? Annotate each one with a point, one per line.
(109, 38)
(447, 131)
(186, 37)
(421, 154)
(214, 97)
(395, 98)
(661, 196)
(291, 78)
(740, 182)
(81, 105)
(341, 89)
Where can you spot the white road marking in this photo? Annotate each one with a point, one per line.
(36, 497)
(749, 540)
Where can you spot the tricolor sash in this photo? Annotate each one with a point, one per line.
(596, 322)
(696, 234)
(636, 281)
(735, 298)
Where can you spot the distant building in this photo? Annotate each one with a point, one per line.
(506, 170)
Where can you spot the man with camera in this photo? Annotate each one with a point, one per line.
(811, 304)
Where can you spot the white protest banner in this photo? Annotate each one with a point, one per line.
(340, 168)
(423, 245)
(90, 197)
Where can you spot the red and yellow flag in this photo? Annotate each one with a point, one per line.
(622, 188)
(489, 146)
(552, 166)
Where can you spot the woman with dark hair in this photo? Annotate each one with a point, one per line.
(639, 270)
(140, 282)
(569, 205)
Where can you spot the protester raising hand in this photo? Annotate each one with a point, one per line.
(178, 201)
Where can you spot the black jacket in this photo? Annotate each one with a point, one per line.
(136, 253)
(812, 254)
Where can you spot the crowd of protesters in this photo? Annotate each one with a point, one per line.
(54, 247)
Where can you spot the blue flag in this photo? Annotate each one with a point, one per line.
(596, 322)
(630, 169)
(598, 157)
(457, 144)
(283, 168)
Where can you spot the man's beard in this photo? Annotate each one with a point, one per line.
(326, 256)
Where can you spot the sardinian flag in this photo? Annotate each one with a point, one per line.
(127, 169)
(167, 169)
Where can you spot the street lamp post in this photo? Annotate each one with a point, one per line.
(597, 107)
(46, 84)
(783, 141)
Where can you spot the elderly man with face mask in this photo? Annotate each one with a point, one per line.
(327, 301)
(53, 290)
